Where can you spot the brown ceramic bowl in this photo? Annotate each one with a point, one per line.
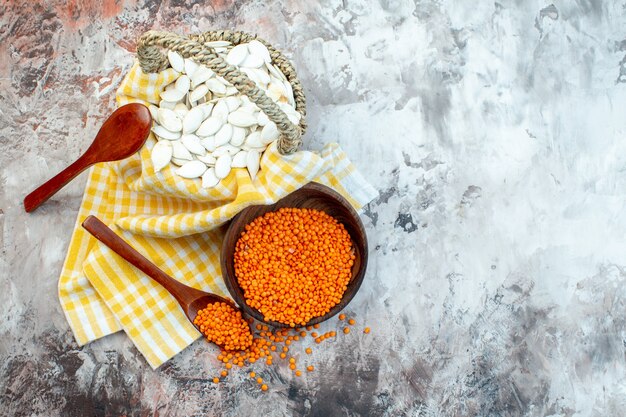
(312, 196)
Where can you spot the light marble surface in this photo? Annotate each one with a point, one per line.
(496, 135)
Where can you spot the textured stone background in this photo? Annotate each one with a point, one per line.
(496, 135)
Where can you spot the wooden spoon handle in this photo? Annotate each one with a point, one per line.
(50, 187)
(118, 245)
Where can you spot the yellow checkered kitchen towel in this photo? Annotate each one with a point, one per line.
(176, 224)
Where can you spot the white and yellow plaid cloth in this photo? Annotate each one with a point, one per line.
(175, 223)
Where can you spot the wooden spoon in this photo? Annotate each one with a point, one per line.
(190, 299)
(121, 135)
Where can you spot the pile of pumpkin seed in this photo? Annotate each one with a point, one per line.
(205, 127)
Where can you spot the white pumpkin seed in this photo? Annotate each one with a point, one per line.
(221, 110)
(274, 71)
(253, 148)
(164, 104)
(193, 169)
(179, 162)
(163, 133)
(231, 91)
(207, 159)
(201, 75)
(252, 61)
(210, 126)
(193, 119)
(173, 95)
(193, 145)
(161, 155)
(249, 108)
(215, 86)
(262, 119)
(250, 72)
(206, 109)
(169, 120)
(181, 110)
(153, 111)
(254, 140)
(222, 137)
(237, 55)
(239, 160)
(198, 92)
(209, 179)
(230, 149)
(257, 48)
(176, 61)
(242, 118)
(222, 166)
(252, 162)
(208, 143)
(190, 67)
(217, 44)
(180, 152)
(275, 91)
(182, 84)
(223, 81)
(232, 103)
(239, 136)
(289, 93)
(261, 75)
(269, 133)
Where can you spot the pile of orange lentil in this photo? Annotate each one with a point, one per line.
(294, 264)
(223, 325)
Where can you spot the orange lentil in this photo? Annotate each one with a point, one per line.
(259, 380)
(224, 373)
(308, 351)
(310, 368)
(223, 325)
(293, 264)
(292, 366)
(314, 334)
(298, 373)
(216, 380)
(292, 360)
(341, 317)
(302, 334)
(309, 328)
(263, 387)
(285, 349)
(283, 356)
(333, 334)
(351, 322)
(273, 348)
(287, 342)
(316, 326)
(346, 330)
(252, 374)
(366, 330)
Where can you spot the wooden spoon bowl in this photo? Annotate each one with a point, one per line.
(311, 196)
(191, 300)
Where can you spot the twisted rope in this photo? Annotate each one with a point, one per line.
(151, 59)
